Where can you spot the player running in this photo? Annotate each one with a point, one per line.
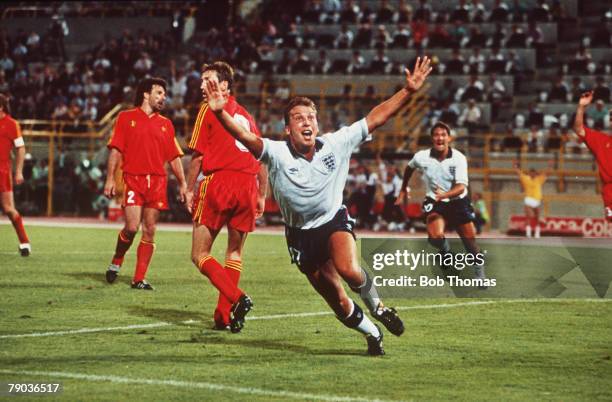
(232, 193)
(445, 175)
(308, 174)
(142, 142)
(600, 145)
(10, 137)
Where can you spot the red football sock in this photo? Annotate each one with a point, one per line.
(143, 258)
(124, 241)
(18, 225)
(218, 277)
(232, 268)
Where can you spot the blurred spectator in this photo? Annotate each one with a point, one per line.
(350, 12)
(323, 63)
(601, 90)
(559, 90)
(380, 63)
(577, 88)
(364, 36)
(382, 39)
(401, 37)
(456, 64)
(461, 12)
(419, 33)
(534, 138)
(553, 139)
(356, 64)
(471, 117)
(500, 12)
(598, 116)
(447, 90)
(385, 13)
(476, 61)
(496, 93)
(496, 62)
(423, 11)
(458, 34)
(517, 38)
(477, 38)
(404, 12)
(344, 39)
(474, 89)
(302, 64)
(540, 12)
(439, 37)
(293, 38)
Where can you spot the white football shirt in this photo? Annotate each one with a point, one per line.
(309, 193)
(452, 170)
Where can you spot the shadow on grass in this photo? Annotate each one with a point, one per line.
(165, 314)
(211, 337)
(99, 277)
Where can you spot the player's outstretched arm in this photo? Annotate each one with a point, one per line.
(585, 99)
(177, 168)
(114, 160)
(216, 102)
(414, 80)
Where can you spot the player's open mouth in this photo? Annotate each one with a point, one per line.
(307, 134)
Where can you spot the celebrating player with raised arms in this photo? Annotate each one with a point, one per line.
(308, 173)
(600, 145)
(445, 175)
(142, 142)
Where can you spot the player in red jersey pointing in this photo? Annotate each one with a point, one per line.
(232, 193)
(600, 145)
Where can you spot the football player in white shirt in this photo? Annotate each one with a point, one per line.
(307, 175)
(444, 173)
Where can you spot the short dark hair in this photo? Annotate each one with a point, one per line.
(225, 72)
(298, 101)
(440, 125)
(4, 104)
(146, 85)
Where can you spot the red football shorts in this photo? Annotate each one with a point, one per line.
(149, 191)
(606, 192)
(226, 197)
(6, 181)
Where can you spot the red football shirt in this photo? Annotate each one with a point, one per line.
(9, 132)
(601, 146)
(146, 142)
(220, 150)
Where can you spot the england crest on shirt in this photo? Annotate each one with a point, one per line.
(329, 161)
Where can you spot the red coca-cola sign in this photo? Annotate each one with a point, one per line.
(564, 226)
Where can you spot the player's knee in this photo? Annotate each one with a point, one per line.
(130, 230)
(196, 257)
(11, 213)
(351, 274)
(148, 231)
(234, 255)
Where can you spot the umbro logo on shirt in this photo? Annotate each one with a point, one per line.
(293, 170)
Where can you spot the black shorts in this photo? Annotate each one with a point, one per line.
(455, 212)
(309, 248)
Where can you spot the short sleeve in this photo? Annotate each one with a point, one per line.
(16, 135)
(267, 154)
(461, 175)
(594, 139)
(117, 140)
(197, 141)
(349, 137)
(414, 163)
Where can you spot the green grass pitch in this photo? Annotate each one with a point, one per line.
(503, 350)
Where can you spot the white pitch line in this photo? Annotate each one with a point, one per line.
(191, 384)
(290, 315)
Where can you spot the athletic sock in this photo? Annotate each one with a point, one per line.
(440, 244)
(17, 222)
(368, 293)
(528, 231)
(209, 267)
(360, 322)
(233, 269)
(143, 258)
(124, 241)
(537, 231)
